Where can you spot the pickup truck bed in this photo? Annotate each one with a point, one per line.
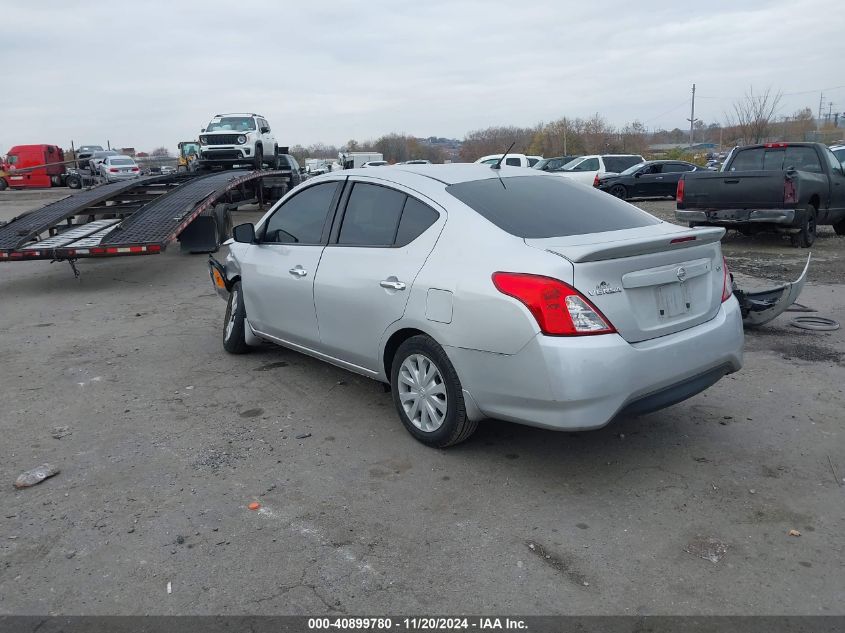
(789, 187)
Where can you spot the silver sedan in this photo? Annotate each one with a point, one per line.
(477, 292)
(115, 168)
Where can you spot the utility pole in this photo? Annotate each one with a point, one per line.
(564, 136)
(692, 117)
(819, 119)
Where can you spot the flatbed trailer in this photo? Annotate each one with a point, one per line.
(139, 217)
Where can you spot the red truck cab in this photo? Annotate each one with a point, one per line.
(48, 161)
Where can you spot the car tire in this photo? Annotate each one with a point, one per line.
(618, 191)
(258, 161)
(234, 324)
(839, 227)
(274, 162)
(436, 397)
(807, 235)
(3, 184)
(73, 182)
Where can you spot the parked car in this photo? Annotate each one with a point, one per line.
(574, 310)
(839, 152)
(84, 152)
(114, 168)
(511, 160)
(238, 139)
(98, 157)
(787, 187)
(651, 179)
(533, 160)
(289, 164)
(554, 164)
(168, 169)
(375, 163)
(586, 168)
(415, 161)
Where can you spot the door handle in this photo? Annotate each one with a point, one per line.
(659, 178)
(299, 271)
(392, 285)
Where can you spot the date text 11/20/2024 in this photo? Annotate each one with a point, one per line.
(417, 624)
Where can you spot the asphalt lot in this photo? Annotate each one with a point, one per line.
(169, 439)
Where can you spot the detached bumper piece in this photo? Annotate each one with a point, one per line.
(761, 306)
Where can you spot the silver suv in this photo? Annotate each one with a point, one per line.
(238, 139)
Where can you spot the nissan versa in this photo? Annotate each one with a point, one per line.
(478, 292)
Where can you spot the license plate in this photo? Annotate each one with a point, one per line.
(672, 300)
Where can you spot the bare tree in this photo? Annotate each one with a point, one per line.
(754, 114)
(160, 152)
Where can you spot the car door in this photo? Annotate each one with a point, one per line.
(649, 183)
(277, 273)
(368, 268)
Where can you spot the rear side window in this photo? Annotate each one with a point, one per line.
(372, 216)
(300, 220)
(674, 168)
(513, 162)
(619, 164)
(540, 207)
(416, 218)
(589, 164)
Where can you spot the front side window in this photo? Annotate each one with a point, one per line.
(301, 219)
(372, 216)
(588, 164)
(12, 159)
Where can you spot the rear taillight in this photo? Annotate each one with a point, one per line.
(679, 192)
(727, 284)
(559, 309)
(113, 170)
(790, 196)
(596, 181)
(136, 169)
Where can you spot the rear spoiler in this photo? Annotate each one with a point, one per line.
(640, 245)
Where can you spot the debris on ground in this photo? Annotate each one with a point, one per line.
(254, 505)
(794, 533)
(169, 587)
(59, 432)
(708, 548)
(303, 436)
(35, 476)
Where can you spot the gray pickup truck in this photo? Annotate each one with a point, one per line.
(787, 187)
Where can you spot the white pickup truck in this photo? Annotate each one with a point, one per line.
(511, 160)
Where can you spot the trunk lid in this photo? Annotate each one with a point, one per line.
(650, 281)
(733, 190)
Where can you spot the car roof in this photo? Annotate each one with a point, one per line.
(449, 174)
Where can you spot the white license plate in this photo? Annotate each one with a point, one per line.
(672, 300)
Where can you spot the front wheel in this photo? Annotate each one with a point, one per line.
(234, 325)
(259, 158)
(807, 235)
(428, 395)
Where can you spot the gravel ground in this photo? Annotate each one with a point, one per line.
(169, 439)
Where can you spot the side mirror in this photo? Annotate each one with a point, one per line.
(202, 130)
(638, 174)
(302, 170)
(264, 130)
(244, 233)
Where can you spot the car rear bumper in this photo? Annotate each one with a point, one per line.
(582, 383)
(728, 217)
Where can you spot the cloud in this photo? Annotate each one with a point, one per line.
(153, 73)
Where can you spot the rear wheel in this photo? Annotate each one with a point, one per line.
(428, 395)
(807, 235)
(839, 227)
(234, 325)
(619, 191)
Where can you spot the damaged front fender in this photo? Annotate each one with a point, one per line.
(761, 306)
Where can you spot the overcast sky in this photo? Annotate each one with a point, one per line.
(150, 73)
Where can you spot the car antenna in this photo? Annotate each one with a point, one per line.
(498, 164)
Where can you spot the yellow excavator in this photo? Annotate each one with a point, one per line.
(189, 152)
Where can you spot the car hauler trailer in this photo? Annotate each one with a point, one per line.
(139, 217)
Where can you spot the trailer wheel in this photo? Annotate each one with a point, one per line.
(74, 182)
(234, 325)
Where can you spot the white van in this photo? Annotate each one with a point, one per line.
(511, 160)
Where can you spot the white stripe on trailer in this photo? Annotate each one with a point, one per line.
(64, 239)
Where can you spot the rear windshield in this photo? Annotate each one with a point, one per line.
(619, 164)
(776, 159)
(539, 206)
(121, 161)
